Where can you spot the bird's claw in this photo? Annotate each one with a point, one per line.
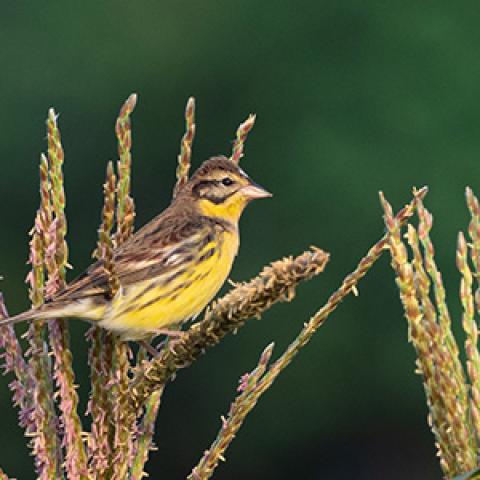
(174, 336)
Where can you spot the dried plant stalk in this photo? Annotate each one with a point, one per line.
(456, 369)
(450, 399)
(145, 435)
(22, 386)
(107, 353)
(419, 338)
(98, 440)
(417, 333)
(474, 228)
(275, 283)
(125, 205)
(184, 158)
(56, 262)
(239, 409)
(446, 356)
(14, 362)
(41, 419)
(448, 360)
(449, 421)
(474, 234)
(104, 250)
(242, 133)
(55, 160)
(471, 330)
(470, 301)
(117, 447)
(99, 444)
(123, 421)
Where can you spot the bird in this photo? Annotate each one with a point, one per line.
(171, 268)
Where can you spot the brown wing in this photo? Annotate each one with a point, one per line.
(152, 251)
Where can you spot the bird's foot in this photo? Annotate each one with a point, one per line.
(169, 333)
(173, 337)
(148, 347)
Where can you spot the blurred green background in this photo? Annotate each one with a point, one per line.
(352, 97)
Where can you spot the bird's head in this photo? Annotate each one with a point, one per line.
(220, 188)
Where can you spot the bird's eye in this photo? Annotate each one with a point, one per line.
(227, 181)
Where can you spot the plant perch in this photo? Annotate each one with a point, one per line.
(126, 391)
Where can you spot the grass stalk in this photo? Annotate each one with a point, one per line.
(13, 362)
(471, 330)
(100, 443)
(239, 409)
(436, 360)
(43, 426)
(145, 435)
(56, 260)
(123, 421)
(185, 156)
(242, 134)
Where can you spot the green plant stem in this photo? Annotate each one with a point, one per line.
(239, 409)
(145, 435)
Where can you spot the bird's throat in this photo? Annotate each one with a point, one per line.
(230, 210)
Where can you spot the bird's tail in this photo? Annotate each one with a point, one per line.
(43, 313)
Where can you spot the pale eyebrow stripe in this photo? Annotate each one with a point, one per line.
(242, 173)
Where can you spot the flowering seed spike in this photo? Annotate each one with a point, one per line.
(474, 234)
(145, 435)
(124, 403)
(184, 158)
(121, 412)
(447, 394)
(275, 283)
(470, 328)
(242, 133)
(125, 205)
(98, 442)
(56, 261)
(239, 409)
(471, 301)
(40, 415)
(128, 107)
(417, 334)
(454, 364)
(55, 162)
(104, 250)
(13, 361)
(437, 359)
(123, 423)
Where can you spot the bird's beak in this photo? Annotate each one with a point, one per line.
(254, 191)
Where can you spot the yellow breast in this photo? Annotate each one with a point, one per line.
(168, 300)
